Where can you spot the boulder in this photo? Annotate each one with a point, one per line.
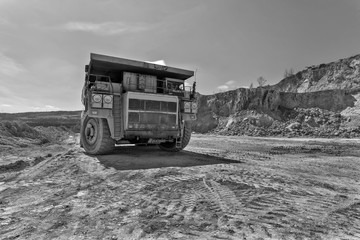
(294, 126)
(310, 121)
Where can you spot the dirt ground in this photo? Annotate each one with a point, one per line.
(219, 187)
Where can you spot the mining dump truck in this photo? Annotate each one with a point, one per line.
(136, 102)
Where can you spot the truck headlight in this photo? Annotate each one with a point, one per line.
(96, 98)
(108, 99)
(187, 107)
(194, 107)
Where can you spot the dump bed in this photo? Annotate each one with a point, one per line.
(100, 64)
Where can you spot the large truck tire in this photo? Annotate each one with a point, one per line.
(171, 146)
(95, 136)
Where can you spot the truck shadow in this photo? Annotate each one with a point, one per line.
(147, 157)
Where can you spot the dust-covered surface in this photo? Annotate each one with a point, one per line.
(14, 134)
(58, 119)
(220, 187)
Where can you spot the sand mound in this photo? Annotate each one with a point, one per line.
(19, 134)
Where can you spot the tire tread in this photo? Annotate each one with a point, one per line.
(105, 143)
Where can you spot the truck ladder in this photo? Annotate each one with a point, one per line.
(119, 133)
(178, 142)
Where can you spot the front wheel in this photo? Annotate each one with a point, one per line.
(95, 136)
(171, 146)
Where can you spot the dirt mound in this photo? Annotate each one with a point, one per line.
(68, 119)
(16, 166)
(54, 134)
(18, 129)
(299, 122)
(20, 134)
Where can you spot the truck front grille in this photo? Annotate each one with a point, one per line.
(152, 112)
(151, 105)
(152, 118)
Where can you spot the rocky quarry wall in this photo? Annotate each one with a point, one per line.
(322, 100)
(342, 74)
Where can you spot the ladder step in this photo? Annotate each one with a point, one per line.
(178, 142)
(117, 116)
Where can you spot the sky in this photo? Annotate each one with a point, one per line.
(44, 44)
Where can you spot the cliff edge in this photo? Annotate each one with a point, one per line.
(321, 100)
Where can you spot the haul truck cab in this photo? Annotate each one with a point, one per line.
(128, 101)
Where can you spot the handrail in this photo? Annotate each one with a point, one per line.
(163, 86)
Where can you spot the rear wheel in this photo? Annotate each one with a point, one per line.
(95, 136)
(171, 146)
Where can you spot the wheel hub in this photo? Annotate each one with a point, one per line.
(91, 132)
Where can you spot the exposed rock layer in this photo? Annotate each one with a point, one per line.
(328, 87)
(342, 74)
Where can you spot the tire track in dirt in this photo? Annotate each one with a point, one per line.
(75, 197)
(249, 203)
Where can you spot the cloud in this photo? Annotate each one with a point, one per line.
(4, 21)
(223, 87)
(6, 105)
(46, 108)
(3, 2)
(9, 66)
(5, 92)
(229, 85)
(105, 28)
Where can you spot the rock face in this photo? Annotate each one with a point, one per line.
(333, 100)
(342, 74)
(333, 88)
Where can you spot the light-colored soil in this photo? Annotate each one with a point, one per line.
(217, 188)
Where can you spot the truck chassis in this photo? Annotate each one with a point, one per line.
(128, 101)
